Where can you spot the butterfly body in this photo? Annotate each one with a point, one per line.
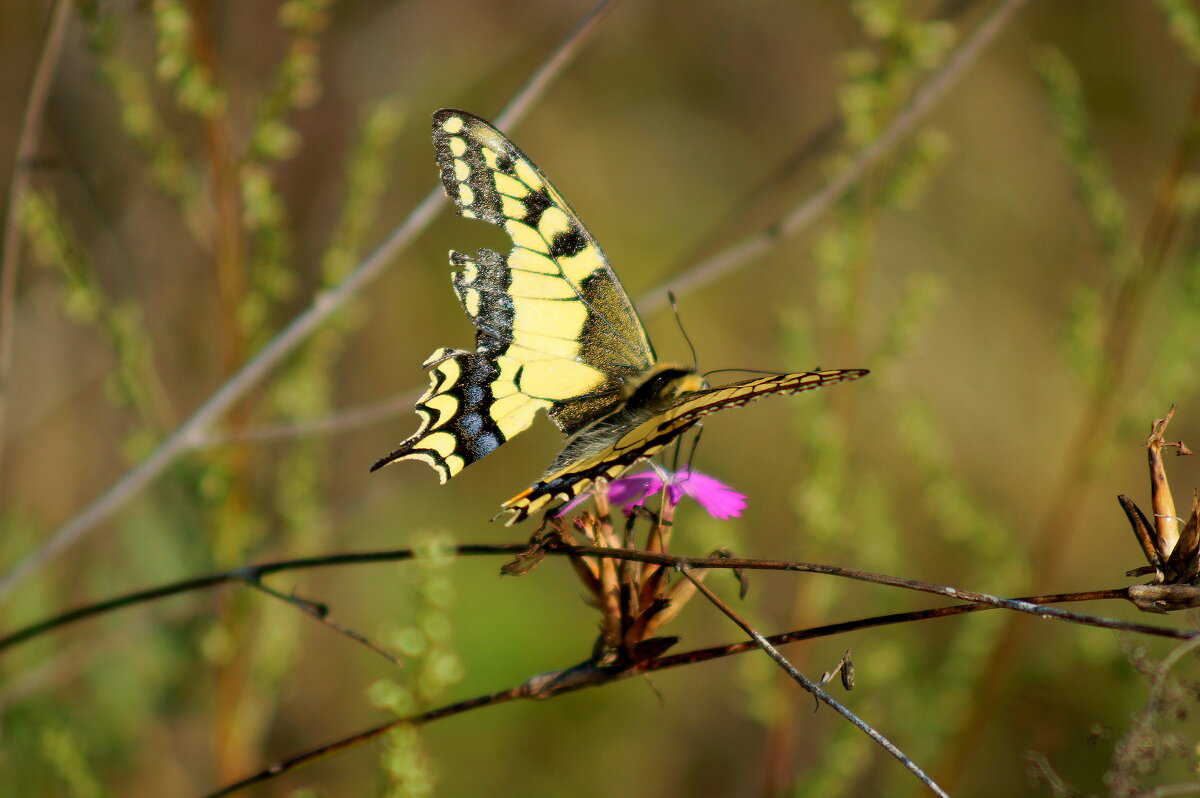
(555, 331)
(652, 396)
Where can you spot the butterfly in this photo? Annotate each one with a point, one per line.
(555, 331)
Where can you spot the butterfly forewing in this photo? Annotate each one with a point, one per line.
(558, 278)
(649, 437)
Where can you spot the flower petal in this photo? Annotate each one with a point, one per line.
(718, 499)
(630, 490)
(621, 491)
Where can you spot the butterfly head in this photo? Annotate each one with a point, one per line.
(663, 384)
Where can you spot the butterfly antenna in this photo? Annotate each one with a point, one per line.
(683, 330)
(742, 371)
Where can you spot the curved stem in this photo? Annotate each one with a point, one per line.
(255, 573)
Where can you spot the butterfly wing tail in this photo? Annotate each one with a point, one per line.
(458, 414)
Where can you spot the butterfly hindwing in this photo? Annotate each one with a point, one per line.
(649, 437)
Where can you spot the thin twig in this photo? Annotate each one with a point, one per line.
(308, 757)
(18, 187)
(324, 305)
(542, 686)
(255, 573)
(1016, 605)
(912, 114)
(352, 418)
(538, 687)
(320, 613)
(812, 687)
(891, 619)
(247, 574)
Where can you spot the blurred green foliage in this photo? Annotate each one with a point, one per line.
(1026, 260)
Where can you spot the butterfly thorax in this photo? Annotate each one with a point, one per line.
(650, 396)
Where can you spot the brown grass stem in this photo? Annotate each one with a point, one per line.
(18, 186)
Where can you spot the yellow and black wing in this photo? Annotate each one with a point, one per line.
(616, 450)
(554, 328)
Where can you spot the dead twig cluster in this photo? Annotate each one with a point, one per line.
(1173, 554)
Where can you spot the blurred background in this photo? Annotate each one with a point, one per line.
(1021, 275)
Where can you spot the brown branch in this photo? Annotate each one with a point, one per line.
(544, 685)
(586, 675)
(225, 183)
(1017, 605)
(231, 752)
(320, 752)
(828, 630)
(255, 573)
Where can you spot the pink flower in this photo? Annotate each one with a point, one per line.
(718, 499)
